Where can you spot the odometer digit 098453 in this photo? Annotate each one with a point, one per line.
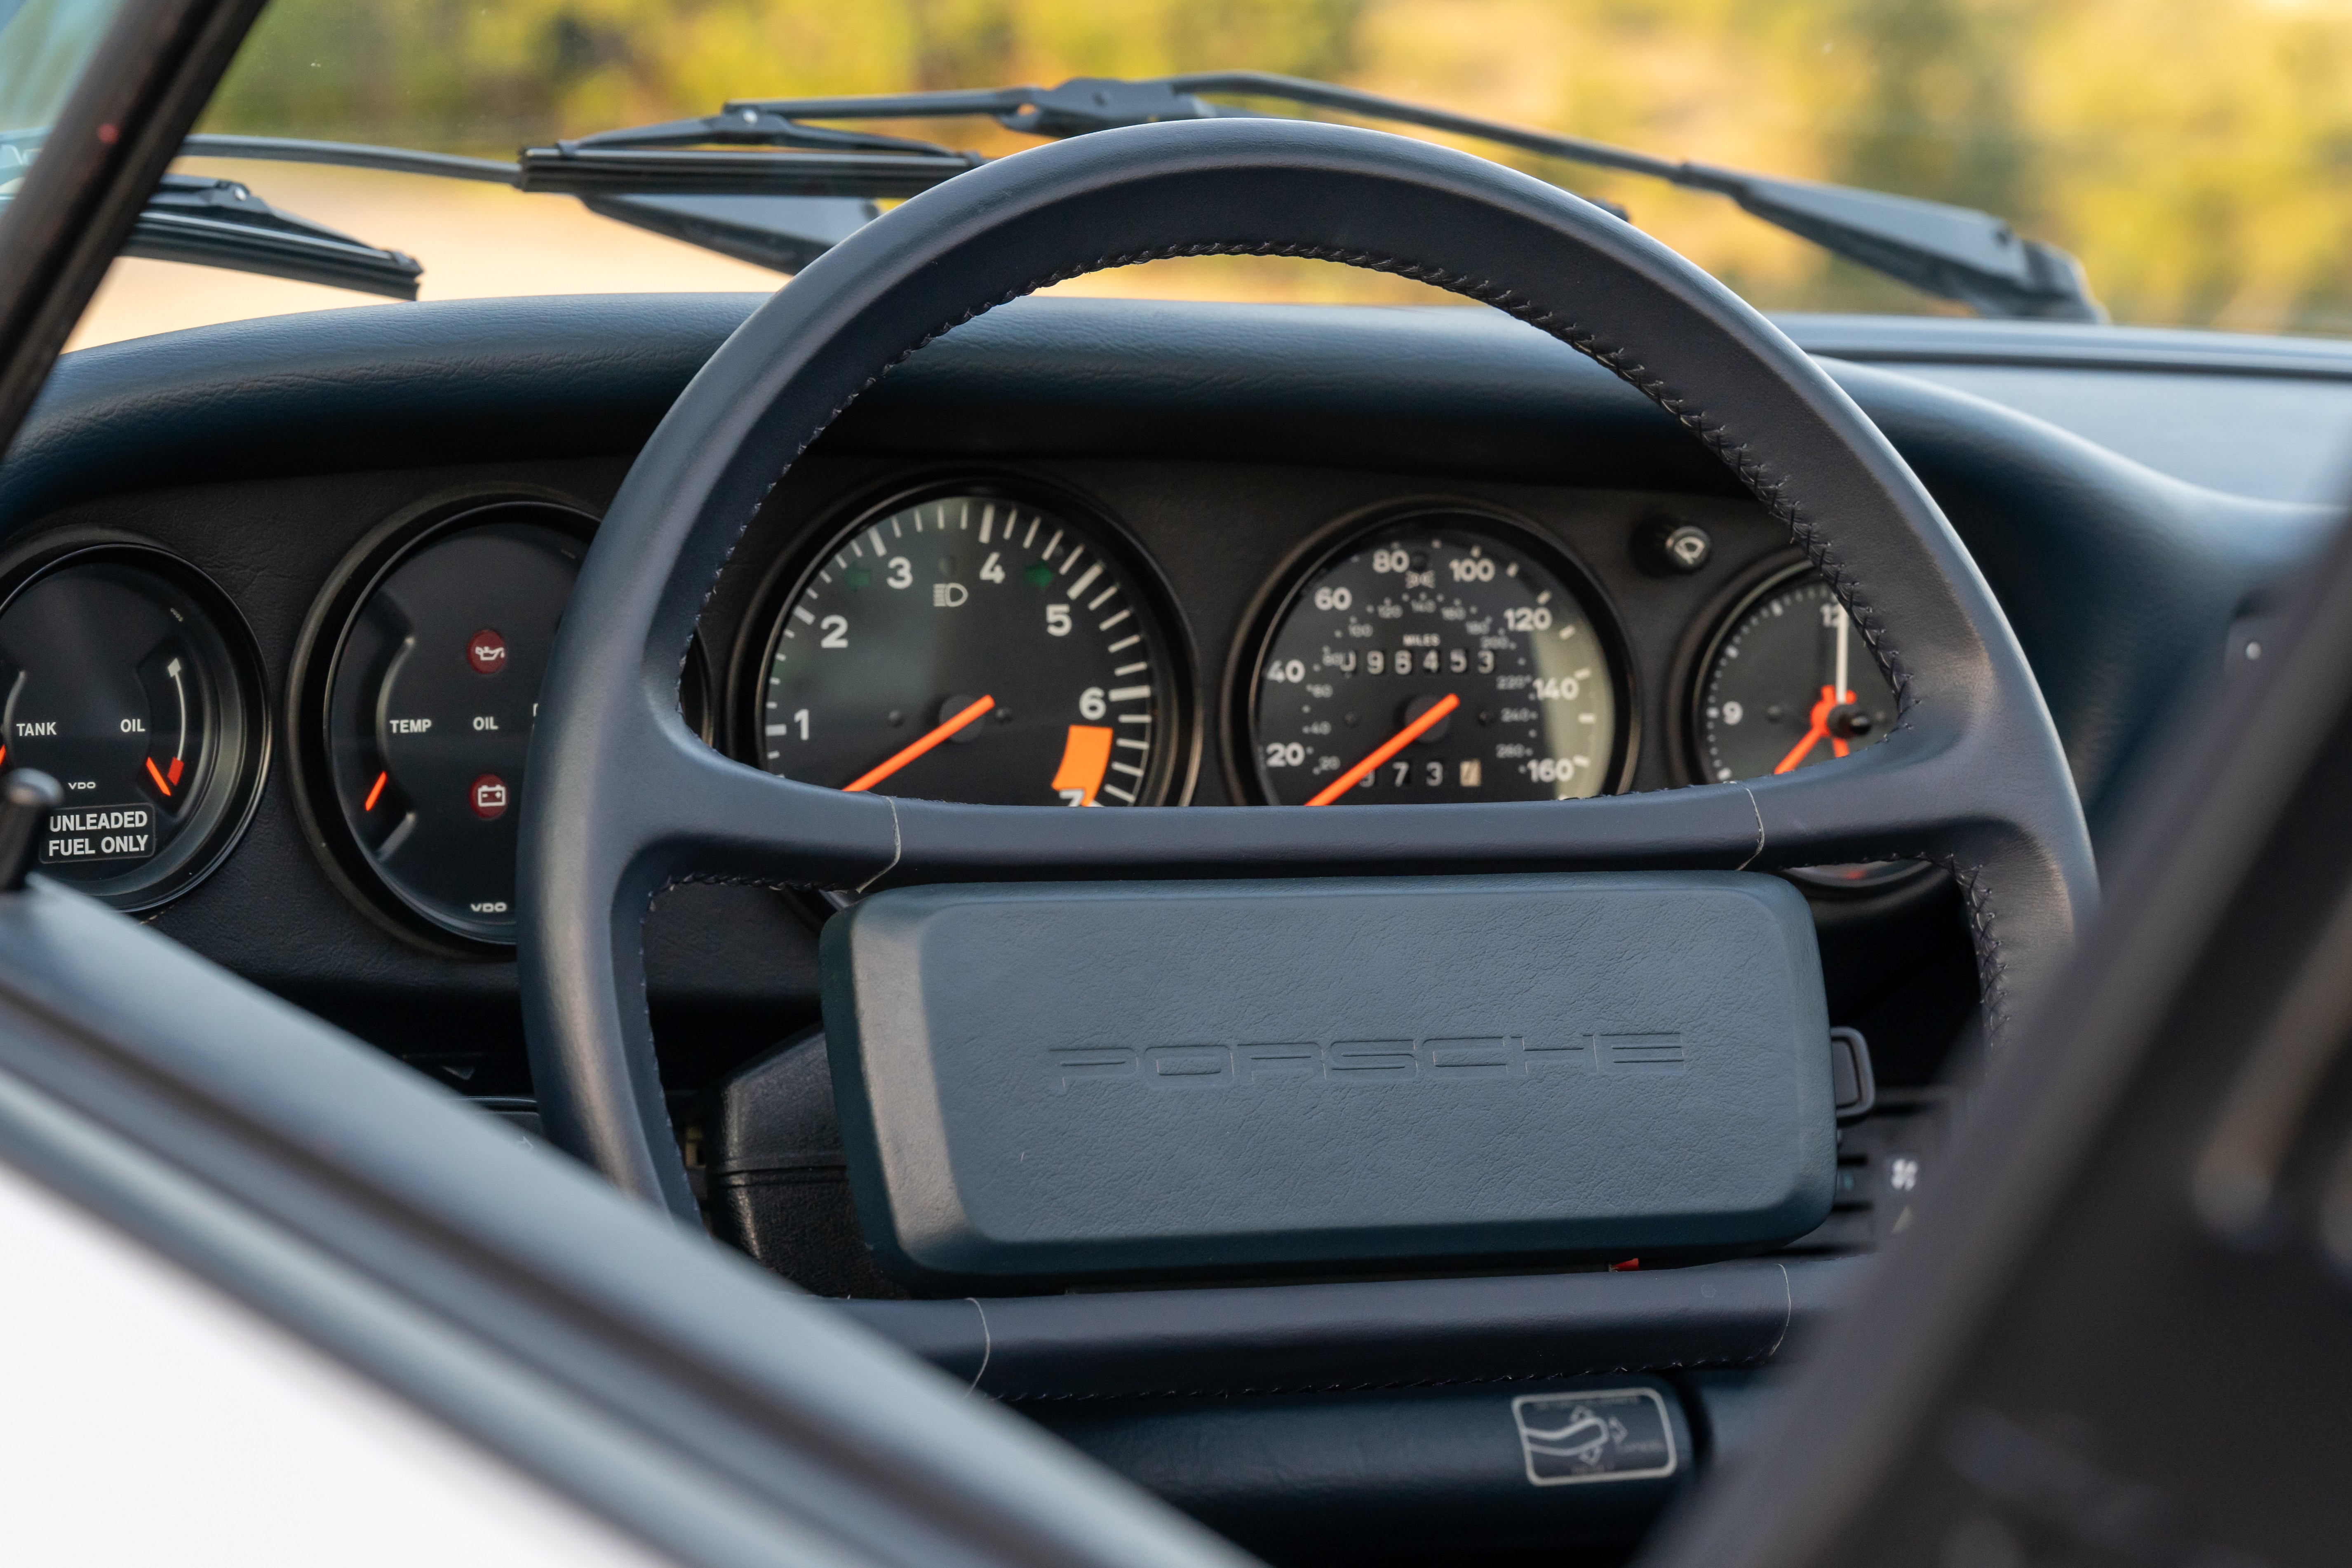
(1445, 656)
(974, 646)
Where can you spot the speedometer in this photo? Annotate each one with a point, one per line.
(978, 645)
(1444, 656)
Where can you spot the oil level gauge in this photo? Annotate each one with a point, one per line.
(131, 679)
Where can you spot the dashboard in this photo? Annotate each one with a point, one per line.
(279, 595)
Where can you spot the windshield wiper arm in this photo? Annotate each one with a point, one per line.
(350, 155)
(1956, 253)
(816, 178)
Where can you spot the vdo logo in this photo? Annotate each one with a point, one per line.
(1362, 1062)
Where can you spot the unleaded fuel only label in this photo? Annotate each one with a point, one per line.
(1608, 1434)
(99, 832)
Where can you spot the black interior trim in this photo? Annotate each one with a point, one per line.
(1237, 1341)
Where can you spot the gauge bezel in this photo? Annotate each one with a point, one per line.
(1710, 630)
(311, 681)
(1271, 606)
(241, 797)
(799, 563)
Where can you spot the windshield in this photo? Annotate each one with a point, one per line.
(2191, 153)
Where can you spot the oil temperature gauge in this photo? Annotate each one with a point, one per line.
(416, 689)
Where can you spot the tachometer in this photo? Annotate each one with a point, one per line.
(134, 680)
(978, 646)
(1446, 657)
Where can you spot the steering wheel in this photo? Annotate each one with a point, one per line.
(624, 800)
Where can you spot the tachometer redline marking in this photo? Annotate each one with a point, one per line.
(957, 722)
(1390, 748)
(1085, 757)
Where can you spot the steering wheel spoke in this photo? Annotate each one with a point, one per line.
(722, 820)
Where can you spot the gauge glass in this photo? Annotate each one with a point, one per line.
(430, 707)
(973, 647)
(1791, 684)
(130, 680)
(1469, 620)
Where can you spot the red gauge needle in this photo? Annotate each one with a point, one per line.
(1389, 747)
(1818, 733)
(955, 722)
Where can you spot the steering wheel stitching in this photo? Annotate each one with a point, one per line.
(623, 801)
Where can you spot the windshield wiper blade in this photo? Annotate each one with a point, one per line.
(220, 223)
(1956, 253)
(730, 154)
(730, 212)
(583, 171)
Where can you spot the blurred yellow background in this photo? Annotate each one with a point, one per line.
(2196, 154)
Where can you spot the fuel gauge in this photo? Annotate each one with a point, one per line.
(131, 679)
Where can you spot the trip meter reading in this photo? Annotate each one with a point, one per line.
(131, 680)
(974, 646)
(1440, 657)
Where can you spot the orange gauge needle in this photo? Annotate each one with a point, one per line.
(1389, 747)
(157, 774)
(1818, 733)
(955, 722)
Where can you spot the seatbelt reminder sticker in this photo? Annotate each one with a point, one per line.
(1602, 1434)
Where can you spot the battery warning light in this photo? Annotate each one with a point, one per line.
(487, 796)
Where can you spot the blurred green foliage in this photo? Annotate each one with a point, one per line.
(2197, 154)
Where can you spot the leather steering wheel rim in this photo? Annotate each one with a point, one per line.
(623, 800)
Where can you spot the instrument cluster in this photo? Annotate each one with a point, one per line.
(984, 638)
(996, 641)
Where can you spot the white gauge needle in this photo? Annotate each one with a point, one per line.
(1843, 622)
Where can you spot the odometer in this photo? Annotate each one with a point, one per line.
(974, 646)
(1440, 658)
